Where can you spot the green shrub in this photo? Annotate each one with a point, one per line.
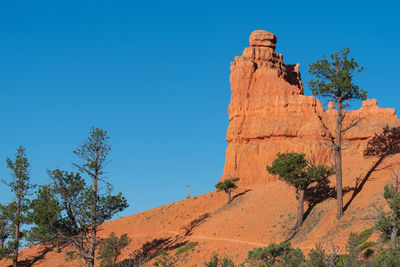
(186, 247)
(110, 248)
(215, 261)
(317, 257)
(388, 257)
(281, 254)
(357, 244)
(164, 260)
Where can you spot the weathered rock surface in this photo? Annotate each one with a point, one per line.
(269, 113)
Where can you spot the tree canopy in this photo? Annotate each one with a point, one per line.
(227, 186)
(294, 169)
(334, 78)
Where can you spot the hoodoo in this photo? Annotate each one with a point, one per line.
(269, 113)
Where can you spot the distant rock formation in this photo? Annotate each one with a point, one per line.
(269, 113)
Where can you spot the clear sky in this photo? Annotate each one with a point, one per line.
(155, 75)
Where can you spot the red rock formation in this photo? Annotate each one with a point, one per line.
(269, 113)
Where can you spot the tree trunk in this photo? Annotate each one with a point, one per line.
(300, 207)
(3, 235)
(339, 192)
(90, 262)
(16, 234)
(229, 197)
(393, 235)
(92, 244)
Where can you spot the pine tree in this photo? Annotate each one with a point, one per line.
(46, 213)
(227, 186)
(334, 81)
(294, 169)
(78, 206)
(20, 185)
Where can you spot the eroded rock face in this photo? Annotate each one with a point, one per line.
(263, 39)
(269, 113)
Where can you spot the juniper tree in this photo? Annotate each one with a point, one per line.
(334, 81)
(295, 170)
(227, 186)
(20, 186)
(78, 206)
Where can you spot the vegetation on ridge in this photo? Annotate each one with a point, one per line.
(68, 211)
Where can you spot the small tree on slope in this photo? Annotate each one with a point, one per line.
(20, 185)
(294, 169)
(389, 223)
(110, 248)
(227, 185)
(334, 81)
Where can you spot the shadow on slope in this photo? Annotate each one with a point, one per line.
(34, 259)
(381, 145)
(150, 250)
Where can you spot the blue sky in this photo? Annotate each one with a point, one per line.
(155, 74)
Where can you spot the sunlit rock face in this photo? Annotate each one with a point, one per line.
(269, 113)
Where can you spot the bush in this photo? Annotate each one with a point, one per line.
(317, 257)
(357, 245)
(110, 248)
(388, 257)
(282, 253)
(186, 247)
(294, 258)
(215, 261)
(164, 260)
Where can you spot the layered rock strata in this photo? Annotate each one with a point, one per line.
(269, 113)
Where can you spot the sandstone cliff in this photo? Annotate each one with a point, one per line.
(269, 113)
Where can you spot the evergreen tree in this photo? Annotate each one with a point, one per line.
(389, 223)
(46, 214)
(227, 186)
(334, 81)
(294, 169)
(6, 212)
(110, 248)
(78, 207)
(20, 185)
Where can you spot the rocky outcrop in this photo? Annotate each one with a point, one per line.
(269, 113)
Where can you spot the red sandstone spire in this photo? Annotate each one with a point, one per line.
(269, 113)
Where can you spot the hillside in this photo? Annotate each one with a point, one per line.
(258, 215)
